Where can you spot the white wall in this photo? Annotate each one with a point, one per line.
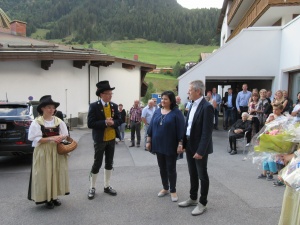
(126, 82)
(253, 54)
(21, 79)
(290, 46)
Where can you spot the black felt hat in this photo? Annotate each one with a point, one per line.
(103, 86)
(46, 100)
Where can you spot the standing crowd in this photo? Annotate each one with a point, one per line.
(170, 129)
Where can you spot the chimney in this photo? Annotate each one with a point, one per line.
(136, 57)
(18, 28)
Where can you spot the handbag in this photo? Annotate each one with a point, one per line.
(66, 146)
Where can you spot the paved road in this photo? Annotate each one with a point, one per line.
(236, 196)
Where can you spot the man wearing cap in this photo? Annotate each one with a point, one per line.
(103, 118)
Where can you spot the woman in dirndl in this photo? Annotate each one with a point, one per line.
(49, 175)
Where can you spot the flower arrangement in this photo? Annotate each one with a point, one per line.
(276, 137)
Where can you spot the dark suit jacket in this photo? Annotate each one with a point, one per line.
(225, 100)
(201, 130)
(96, 120)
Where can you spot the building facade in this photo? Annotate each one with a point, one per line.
(259, 46)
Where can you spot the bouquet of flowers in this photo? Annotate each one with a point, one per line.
(291, 174)
(276, 137)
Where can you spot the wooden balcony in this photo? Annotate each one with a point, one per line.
(258, 8)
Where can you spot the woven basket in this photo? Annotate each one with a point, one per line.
(63, 149)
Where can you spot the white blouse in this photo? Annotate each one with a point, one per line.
(35, 132)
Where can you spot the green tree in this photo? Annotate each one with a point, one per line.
(148, 95)
(176, 69)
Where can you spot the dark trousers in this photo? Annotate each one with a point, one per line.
(216, 118)
(229, 117)
(135, 128)
(198, 171)
(107, 147)
(167, 168)
(255, 122)
(233, 137)
(242, 109)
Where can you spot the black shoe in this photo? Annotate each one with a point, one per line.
(138, 145)
(109, 190)
(216, 128)
(233, 152)
(50, 205)
(132, 145)
(91, 193)
(57, 202)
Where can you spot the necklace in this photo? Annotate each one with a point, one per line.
(162, 117)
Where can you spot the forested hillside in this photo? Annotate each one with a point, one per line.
(92, 20)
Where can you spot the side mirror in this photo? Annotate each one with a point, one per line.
(64, 115)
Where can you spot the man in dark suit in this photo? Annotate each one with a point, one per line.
(229, 102)
(197, 143)
(104, 119)
(218, 100)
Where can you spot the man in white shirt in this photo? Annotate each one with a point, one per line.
(198, 144)
(147, 114)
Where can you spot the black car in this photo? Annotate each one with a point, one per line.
(15, 119)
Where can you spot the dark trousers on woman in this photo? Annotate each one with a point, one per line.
(255, 122)
(107, 147)
(167, 168)
(198, 171)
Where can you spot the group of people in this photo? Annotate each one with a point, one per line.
(168, 134)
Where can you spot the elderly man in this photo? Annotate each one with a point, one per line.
(238, 130)
(147, 114)
(180, 105)
(104, 119)
(135, 123)
(198, 144)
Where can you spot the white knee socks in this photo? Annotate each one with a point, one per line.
(107, 175)
(93, 178)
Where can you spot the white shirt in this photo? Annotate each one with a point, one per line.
(35, 132)
(191, 115)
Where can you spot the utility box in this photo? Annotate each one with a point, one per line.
(157, 96)
(82, 119)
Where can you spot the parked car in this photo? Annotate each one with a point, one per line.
(15, 119)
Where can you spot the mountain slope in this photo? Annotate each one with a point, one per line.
(88, 20)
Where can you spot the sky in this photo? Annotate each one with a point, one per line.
(193, 4)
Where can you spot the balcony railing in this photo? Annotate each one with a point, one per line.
(258, 8)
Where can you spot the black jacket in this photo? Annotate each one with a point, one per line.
(96, 120)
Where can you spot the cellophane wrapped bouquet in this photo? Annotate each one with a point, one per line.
(291, 173)
(276, 137)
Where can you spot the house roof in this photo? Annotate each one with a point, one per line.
(16, 48)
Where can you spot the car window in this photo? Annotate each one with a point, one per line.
(14, 110)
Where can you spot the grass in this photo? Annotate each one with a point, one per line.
(162, 82)
(159, 54)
